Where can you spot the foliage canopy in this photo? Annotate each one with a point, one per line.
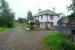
(6, 15)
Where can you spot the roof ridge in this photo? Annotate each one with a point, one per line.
(47, 11)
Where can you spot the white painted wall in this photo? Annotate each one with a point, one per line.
(42, 25)
(46, 18)
(56, 18)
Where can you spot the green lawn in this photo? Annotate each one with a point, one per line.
(5, 29)
(57, 42)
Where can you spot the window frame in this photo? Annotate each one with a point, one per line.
(51, 17)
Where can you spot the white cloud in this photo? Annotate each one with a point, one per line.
(20, 7)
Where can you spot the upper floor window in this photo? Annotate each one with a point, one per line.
(51, 17)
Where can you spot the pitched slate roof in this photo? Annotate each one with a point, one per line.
(63, 19)
(69, 23)
(46, 12)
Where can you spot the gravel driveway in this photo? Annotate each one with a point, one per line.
(20, 40)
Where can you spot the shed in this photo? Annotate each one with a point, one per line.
(66, 25)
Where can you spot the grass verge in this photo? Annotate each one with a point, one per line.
(57, 42)
(5, 29)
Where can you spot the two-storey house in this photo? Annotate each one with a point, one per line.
(47, 18)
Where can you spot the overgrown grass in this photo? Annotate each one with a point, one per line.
(4, 29)
(57, 42)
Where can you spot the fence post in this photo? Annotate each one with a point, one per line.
(73, 35)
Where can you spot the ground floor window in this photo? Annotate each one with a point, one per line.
(51, 24)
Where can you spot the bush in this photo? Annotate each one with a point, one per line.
(4, 29)
(58, 42)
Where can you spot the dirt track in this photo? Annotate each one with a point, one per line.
(20, 40)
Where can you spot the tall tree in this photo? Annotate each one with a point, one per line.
(72, 8)
(21, 20)
(29, 15)
(7, 17)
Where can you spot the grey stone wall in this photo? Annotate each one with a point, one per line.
(65, 30)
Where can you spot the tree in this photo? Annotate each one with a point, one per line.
(29, 15)
(72, 8)
(21, 20)
(7, 17)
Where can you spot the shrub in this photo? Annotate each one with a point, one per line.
(57, 42)
(4, 29)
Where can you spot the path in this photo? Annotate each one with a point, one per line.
(20, 40)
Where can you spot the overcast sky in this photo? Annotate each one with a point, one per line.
(20, 7)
